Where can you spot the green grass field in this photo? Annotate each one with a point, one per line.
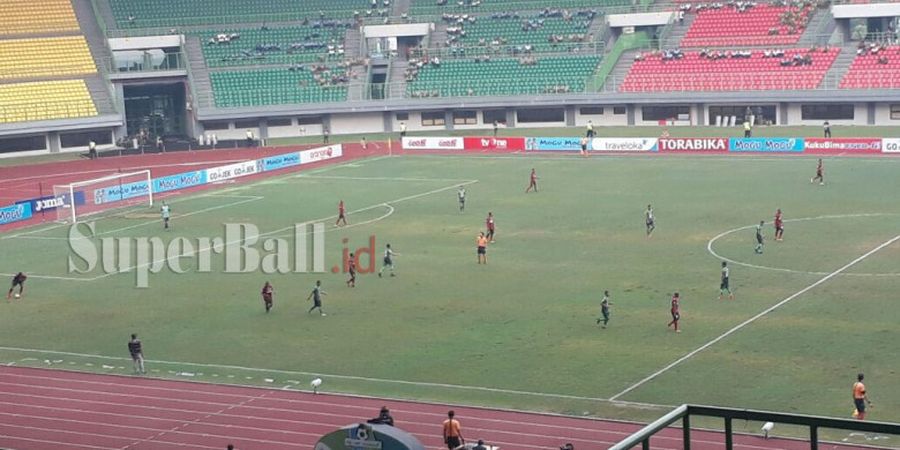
(520, 331)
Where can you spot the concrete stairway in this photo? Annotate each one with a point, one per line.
(352, 43)
(439, 35)
(678, 30)
(620, 70)
(821, 24)
(97, 85)
(397, 78)
(839, 68)
(202, 87)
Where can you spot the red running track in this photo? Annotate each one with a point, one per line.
(54, 409)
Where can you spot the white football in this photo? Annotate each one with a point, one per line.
(17, 296)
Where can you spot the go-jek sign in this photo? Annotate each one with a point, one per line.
(432, 143)
(890, 145)
(223, 173)
(321, 154)
(766, 145)
(623, 144)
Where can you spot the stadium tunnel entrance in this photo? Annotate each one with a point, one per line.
(155, 110)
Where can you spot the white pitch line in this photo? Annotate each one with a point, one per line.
(273, 232)
(318, 374)
(334, 177)
(712, 241)
(49, 277)
(754, 318)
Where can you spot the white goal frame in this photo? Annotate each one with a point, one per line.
(72, 187)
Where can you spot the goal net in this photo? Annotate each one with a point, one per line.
(103, 195)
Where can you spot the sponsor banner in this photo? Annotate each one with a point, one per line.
(281, 161)
(230, 171)
(495, 144)
(321, 154)
(842, 145)
(553, 143)
(693, 145)
(120, 192)
(890, 145)
(179, 181)
(766, 145)
(432, 143)
(15, 213)
(52, 202)
(623, 144)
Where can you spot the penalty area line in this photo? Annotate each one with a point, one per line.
(743, 324)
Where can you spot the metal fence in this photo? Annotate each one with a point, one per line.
(684, 413)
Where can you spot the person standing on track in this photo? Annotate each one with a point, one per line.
(136, 349)
(453, 432)
(860, 398)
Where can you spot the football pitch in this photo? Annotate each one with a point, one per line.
(809, 313)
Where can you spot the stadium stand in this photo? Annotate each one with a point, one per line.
(723, 71)
(437, 7)
(500, 76)
(179, 13)
(45, 100)
(878, 69)
(301, 44)
(32, 17)
(733, 25)
(547, 31)
(249, 88)
(56, 56)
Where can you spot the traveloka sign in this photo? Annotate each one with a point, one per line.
(766, 145)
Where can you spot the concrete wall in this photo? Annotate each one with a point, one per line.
(883, 114)
(356, 123)
(607, 119)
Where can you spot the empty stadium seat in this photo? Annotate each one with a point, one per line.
(431, 7)
(36, 16)
(45, 100)
(867, 73)
(696, 73)
(503, 76)
(487, 29)
(248, 88)
(58, 56)
(729, 27)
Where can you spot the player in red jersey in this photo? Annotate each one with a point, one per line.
(676, 312)
(18, 280)
(268, 293)
(351, 268)
(342, 215)
(820, 174)
(533, 183)
(489, 223)
(779, 226)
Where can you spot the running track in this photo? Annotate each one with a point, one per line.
(54, 409)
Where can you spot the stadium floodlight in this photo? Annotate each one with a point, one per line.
(104, 194)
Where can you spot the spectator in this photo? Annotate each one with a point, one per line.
(384, 417)
(452, 431)
(827, 128)
(249, 138)
(92, 149)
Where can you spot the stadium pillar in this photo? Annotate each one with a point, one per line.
(570, 115)
(629, 114)
(448, 119)
(510, 118)
(388, 119)
(263, 131)
(53, 142)
(698, 115)
(870, 116)
(782, 114)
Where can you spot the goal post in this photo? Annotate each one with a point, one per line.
(101, 195)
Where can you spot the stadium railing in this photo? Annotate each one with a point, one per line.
(684, 413)
(172, 61)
